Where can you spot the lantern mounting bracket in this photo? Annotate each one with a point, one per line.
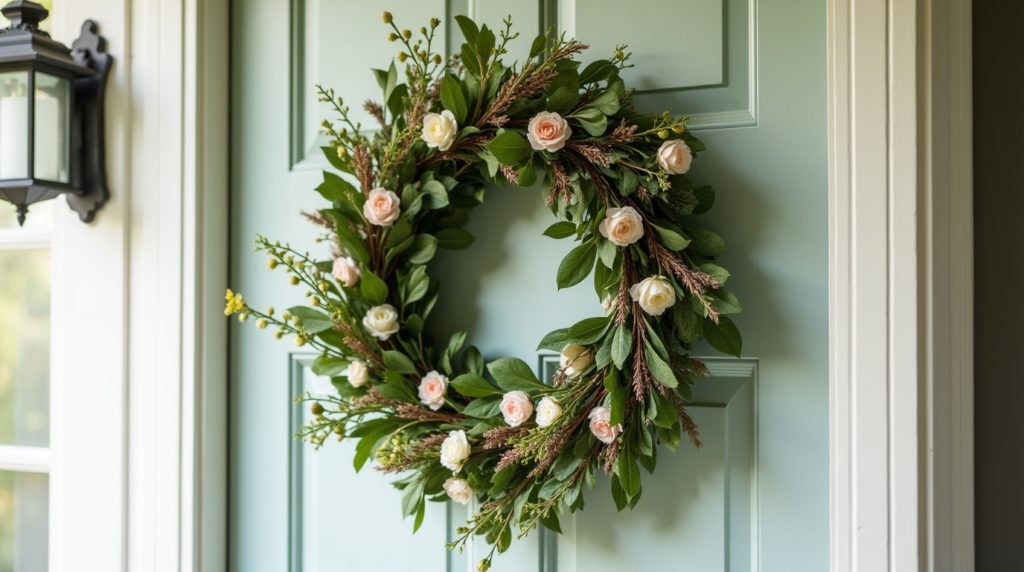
(90, 50)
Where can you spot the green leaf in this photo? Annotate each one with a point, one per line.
(561, 229)
(334, 188)
(671, 239)
(706, 198)
(414, 324)
(725, 301)
(597, 71)
(420, 513)
(622, 345)
(537, 48)
(659, 369)
(400, 231)
(372, 288)
(576, 266)
(593, 121)
(454, 238)
(715, 271)
(472, 385)
(607, 103)
(670, 437)
(435, 194)
(352, 243)
(483, 408)
(417, 285)
(398, 362)
(565, 465)
(706, 242)
(527, 175)
(555, 341)
(513, 374)
(313, 321)
(588, 331)
(412, 496)
(452, 98)
(618, 394)
(469, 30)
(550, 522)
(628, 182)
(628, 473)
(423, 249)
(723, 336)
(688, 324)
(509, 148)
(332, 157)
(607, 251)
(619, 495)
(329, 365)
(473, 361)
(563, 100)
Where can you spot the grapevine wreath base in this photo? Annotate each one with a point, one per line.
(614, 178)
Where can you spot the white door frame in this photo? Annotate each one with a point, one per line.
(139, 368)
(901, 285)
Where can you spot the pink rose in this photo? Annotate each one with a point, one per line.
(516, 407)
(548, 131)
(622, 226)
(346, 271)
(382, 207)
(432, 390)
(675, 157)
(600, 427)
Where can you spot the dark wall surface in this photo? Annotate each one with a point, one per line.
(999, 283)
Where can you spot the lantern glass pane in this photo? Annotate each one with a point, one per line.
(52, 128)
(14, 125)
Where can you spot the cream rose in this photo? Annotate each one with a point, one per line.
(548, 131)
(655, 295)
(432, 389)
(439, 130)
(458, 490)
(382, 207)
(576, 359)
(381, 321)
(675, 157)
(622, 226)
(516, 407)
(358, 375)
(600, 426)
(548, 411)
(346, 270)
(455, 450)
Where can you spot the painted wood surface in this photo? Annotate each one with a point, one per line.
(756, 497)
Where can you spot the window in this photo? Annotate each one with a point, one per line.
(24, 387)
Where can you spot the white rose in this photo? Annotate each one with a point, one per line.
(655, 295)
(548, 131)
(600, 426)
(382, 207)
(576, 359)
(346, 271)
(622, 226)
(458, 490)
(439, 130)
(432, 390)
(675, 157)
(357, 374)
(381, 321)
(455, 450)
(548, 411)
(516, 407)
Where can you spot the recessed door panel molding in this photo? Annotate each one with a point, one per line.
(693, 57)
(698, 511)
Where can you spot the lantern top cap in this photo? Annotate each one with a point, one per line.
(25, 15)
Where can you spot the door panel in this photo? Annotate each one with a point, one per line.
(752, 76)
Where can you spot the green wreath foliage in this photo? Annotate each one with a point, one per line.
(449, 424)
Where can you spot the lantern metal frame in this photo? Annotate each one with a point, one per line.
(86, 66)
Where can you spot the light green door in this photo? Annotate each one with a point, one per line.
(752, 75)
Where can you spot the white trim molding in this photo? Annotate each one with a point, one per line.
(139, 380)
(901, 290)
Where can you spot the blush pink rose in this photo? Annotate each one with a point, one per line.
(548, 131)
(432, 389)
(516, 407)
(382, 207)
(600, 426)
(346, 271)
(675, 157)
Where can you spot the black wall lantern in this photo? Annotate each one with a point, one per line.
(51, 114)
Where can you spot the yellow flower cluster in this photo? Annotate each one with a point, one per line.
(235, 303)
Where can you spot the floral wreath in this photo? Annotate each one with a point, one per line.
(522, 448)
